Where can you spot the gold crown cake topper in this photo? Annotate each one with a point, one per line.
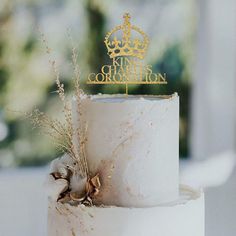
(126, 45)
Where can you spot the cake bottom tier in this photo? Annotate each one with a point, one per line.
(184, 217)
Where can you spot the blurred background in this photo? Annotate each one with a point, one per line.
(193, 42)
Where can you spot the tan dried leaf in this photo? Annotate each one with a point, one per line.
(77, 197)
(93, 185)
(95, 181)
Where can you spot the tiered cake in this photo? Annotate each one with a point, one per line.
(132, 142)
(131, 145)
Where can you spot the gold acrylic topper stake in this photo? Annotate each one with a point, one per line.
(126, 54)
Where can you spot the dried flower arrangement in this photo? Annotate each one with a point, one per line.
(69, 180)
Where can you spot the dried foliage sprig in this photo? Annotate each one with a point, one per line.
(54, 128)
(64, 135)
(52, 62)
(81, 130)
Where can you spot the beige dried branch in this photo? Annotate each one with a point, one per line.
(63, 133)
(81, 130)
(52, 127)
(52, 62)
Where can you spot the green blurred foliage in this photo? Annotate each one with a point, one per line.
(26, 80)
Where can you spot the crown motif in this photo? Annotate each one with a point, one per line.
(127, 46)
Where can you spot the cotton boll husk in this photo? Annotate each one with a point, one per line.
(75, 182)
(55, 187)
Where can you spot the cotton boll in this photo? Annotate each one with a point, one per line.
(66, 160)
(63, 177)
(54, 165)
(55, 187)
(61, 164)
(77, 184)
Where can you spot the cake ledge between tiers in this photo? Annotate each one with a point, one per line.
(121, 98)
(187, 195)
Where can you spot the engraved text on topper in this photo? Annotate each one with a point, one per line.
(126, 54)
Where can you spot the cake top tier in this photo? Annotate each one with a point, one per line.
(132, 143)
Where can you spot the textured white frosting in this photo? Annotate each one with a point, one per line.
(132, 141)
(184, 217)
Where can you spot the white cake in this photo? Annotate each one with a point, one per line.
(183, 217)
(132, 143)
